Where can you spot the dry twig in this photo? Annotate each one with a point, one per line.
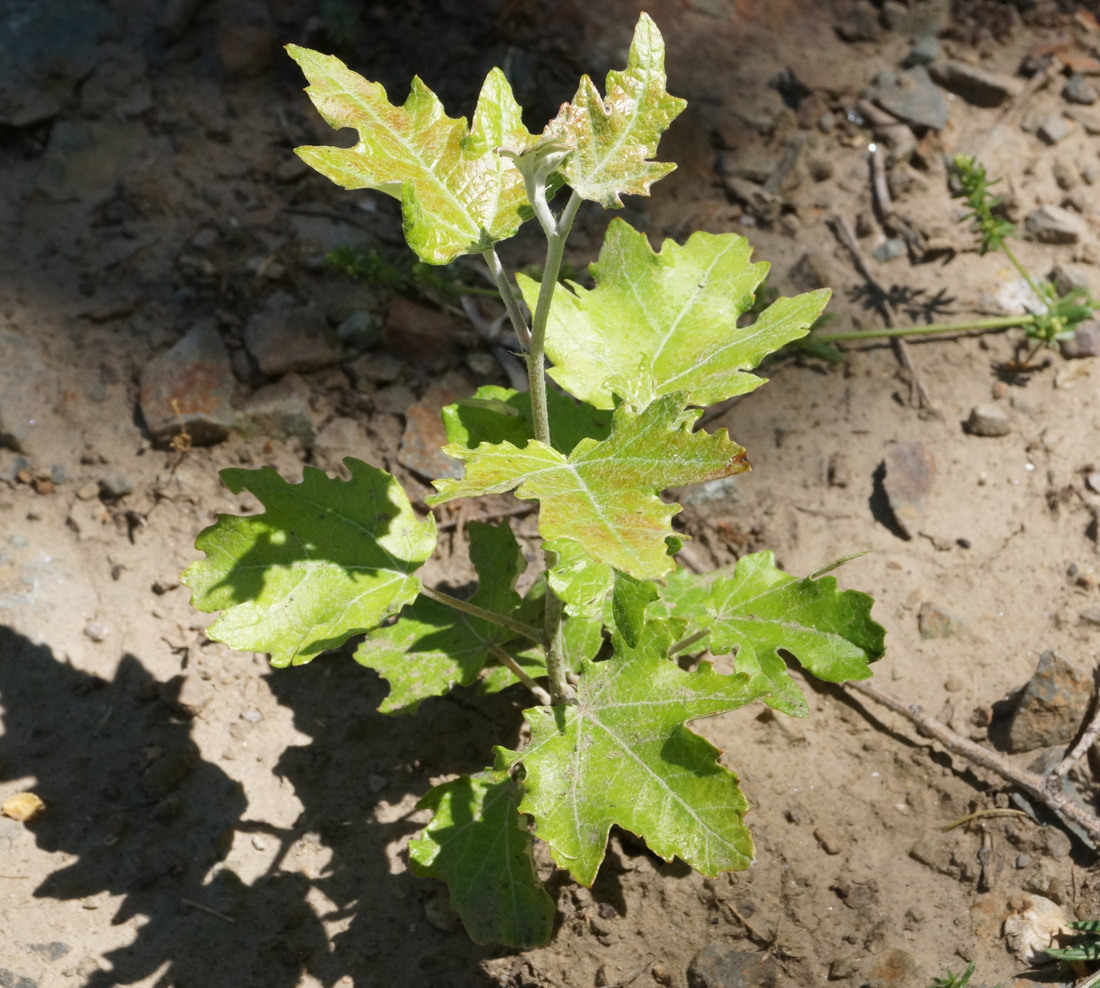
(918, 394)
(1046, 788)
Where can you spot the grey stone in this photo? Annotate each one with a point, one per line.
(890, 249)
(1053, 127)
(766, 206)
(1089, 119)
(378, 368)
(1051, 707)
(1065, 174)
(190, 382)
(280, 411)
(27, 391)
(910, 477)
(360, 330)
(979, 87)
(927, 17)
(46, 50)
(296, 338)
(83, 160)
(1066, 277)
(1053, 225)
(116, 483)
(9, 979)
(989, 421)
(718, 965)
(936, 622)
(857, 22)
(1079, 90)
(910, 96)
(924, 52)
(52, 951)
(394, 399)
(1085, 342)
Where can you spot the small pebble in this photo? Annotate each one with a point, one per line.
(1092, 481)
(23, 807)
(116, 483)
(1079, 90)
(890, 249)
(953, 684)
(88, 491)
(252, 715)
(96, 631)
(1023, 860)
(989, 421)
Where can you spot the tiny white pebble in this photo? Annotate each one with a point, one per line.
(1029, 466)
(874, 775)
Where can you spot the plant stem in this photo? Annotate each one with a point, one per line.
(1025, 275)
(556, 235)
(507, 293)
(521, 629)
(1000, 322)
(560, 690)
(514, 667)
(687, 642)
(557, 231)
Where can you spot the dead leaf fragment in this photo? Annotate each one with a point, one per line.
(26, 806)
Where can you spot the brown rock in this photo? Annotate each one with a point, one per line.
(935, 622)
(1051, 707)
(417, 331)
(910, 476)
(893, 969)
(190, 383)
(297, 338)
(424, 435)
(720, 966)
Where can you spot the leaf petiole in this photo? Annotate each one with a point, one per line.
(508, 295)
(521, 629)
(687, 642)
(517, 670)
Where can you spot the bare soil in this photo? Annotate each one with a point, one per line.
(211, 822)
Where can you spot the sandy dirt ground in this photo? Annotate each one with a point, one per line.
(212, 822)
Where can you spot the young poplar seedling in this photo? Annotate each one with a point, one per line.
(604, 637)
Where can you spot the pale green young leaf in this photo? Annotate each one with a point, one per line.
(622, 755)
(478, 844)
(327, 560)
(614, 138)
(604, 495)
(661, 322)
(580, 581)
(432, 647)
(458, 196)
(761, 611)
(495, 415)
(629, 600)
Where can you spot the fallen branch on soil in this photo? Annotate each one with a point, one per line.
(1047, 788)
(918, 394)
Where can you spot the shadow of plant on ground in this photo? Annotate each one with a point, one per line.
(129, 794)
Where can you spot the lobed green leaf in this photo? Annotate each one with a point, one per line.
(458, 196)
(604, 495)
(664, 322)
(327, 560)
(762, 612)
(432, 647)
(478, 844)
(496, 415)
(614, 138)
(622, 755)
